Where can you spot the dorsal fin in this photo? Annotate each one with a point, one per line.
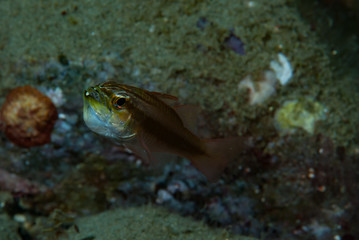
(189, 115)
(168, 99)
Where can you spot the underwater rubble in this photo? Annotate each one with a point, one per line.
(259, 71)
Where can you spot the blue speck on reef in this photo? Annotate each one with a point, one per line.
(235, 44)
(202, 23)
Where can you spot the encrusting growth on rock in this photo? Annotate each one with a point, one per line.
(28, 117)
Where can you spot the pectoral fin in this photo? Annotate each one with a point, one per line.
(147, 148)
(189, 115)
(220, 152)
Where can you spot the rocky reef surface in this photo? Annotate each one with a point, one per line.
(265, 70)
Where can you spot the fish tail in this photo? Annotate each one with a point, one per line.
(220, 152)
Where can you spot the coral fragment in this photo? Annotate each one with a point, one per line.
(28, 117)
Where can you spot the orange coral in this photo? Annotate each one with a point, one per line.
(28, 117)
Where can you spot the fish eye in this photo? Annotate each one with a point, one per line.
(119, 102)
(87, 93)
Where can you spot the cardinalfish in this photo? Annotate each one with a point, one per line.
(149, 122)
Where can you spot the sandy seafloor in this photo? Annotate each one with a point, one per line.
(288, 183)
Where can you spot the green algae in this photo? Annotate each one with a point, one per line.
(301, 113)
(146, 222)
(160, 47)
(8, 228)
(87, 187)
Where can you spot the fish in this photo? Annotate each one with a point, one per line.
(152, 122)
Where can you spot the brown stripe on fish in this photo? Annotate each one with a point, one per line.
(158, 134)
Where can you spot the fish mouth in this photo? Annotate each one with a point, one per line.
(92, 92)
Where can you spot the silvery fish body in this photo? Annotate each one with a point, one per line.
(148, 122)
